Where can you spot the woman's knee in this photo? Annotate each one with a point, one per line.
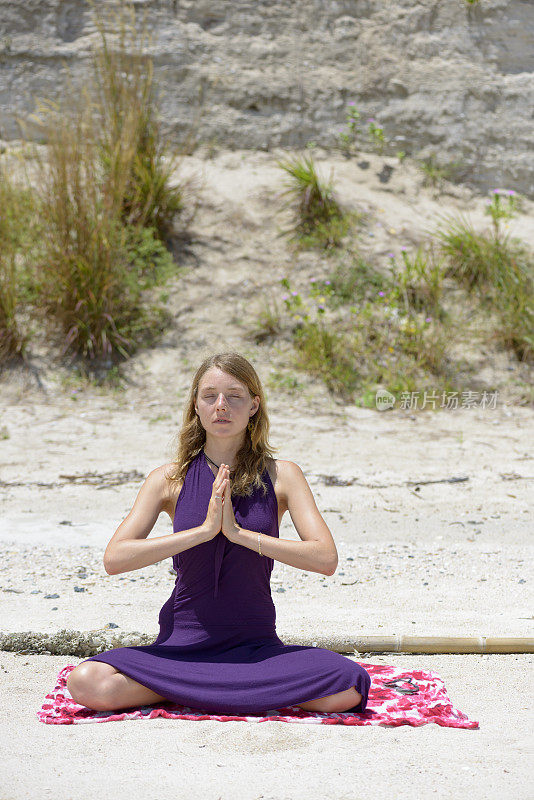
(345, 700)
(334, 703)
(89, 684)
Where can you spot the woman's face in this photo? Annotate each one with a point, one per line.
(221, 396)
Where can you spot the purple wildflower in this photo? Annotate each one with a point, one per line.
(381, 294)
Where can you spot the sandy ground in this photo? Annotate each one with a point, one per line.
(444, 558)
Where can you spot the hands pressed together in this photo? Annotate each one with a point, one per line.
(220, 516)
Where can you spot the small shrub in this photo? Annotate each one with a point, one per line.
(105, 203)
(323, 353)
(16, 210)
(267, 324)
(499, 269)
(419, 284)
(149, 262)
(434, 174)
(317, 217)
(371, 137)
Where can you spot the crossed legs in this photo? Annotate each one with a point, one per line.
(101, 687)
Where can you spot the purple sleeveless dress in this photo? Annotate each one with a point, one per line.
(217, 648)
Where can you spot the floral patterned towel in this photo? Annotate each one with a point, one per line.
(397, 697)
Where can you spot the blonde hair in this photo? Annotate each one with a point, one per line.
(251, 459)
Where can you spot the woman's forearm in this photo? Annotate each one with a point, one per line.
(309, 555)
(131, 554)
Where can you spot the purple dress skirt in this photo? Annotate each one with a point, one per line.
(217, 648)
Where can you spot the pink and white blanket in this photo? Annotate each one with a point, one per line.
(397, 697)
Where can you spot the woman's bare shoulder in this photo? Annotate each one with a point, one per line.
(164, 472)
(170, 489)
(290, 476)
(281, 465)
(278, 471)
(166, 469)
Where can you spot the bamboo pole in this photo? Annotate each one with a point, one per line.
(401, 643)
(444, 644)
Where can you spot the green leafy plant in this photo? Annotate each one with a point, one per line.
(419, 284)
(434, 175)
(354, 133)
(317, 218)
(498, 268)
(503, 205)
(150, 263)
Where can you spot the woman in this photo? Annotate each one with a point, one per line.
(217, 648)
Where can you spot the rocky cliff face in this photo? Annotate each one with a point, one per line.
(443, 78)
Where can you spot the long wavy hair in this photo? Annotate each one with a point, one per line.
(252, 458)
